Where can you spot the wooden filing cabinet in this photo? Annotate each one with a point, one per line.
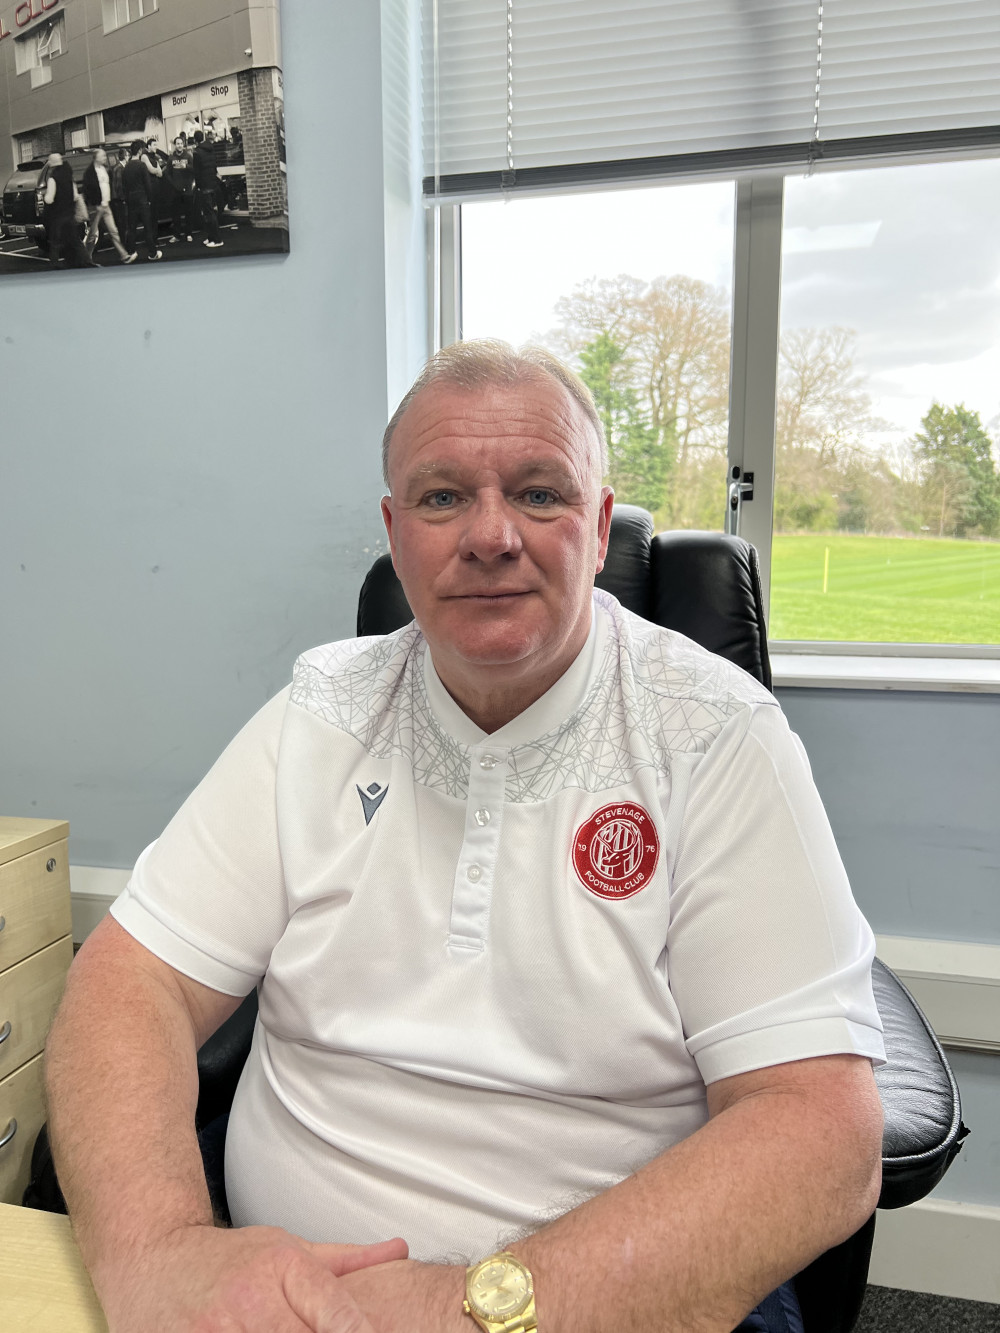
(36, 949)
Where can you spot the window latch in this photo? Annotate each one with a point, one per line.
(740, 492)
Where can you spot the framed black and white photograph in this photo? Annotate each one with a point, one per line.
(140, 131)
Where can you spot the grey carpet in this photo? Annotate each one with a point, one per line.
(887, 1310)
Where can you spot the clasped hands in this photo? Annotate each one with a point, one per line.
(203, 1279)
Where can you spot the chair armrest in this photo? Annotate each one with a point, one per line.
(923, 1114)
(221, 1060)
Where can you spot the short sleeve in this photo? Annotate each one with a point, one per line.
(208, 897)
(769, 957)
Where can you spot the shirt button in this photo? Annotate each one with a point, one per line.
(487, 761)
(482, 817)
(475, 873)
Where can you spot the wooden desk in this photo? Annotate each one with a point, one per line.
(44, 1286)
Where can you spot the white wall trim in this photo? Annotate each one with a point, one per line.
(968, 675)
(956, 984)
(92, 891)
(940, 1247)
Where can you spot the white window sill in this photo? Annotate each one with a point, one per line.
(968, 675)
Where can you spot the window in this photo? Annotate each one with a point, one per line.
(34, 52)
(117, 13)
(582, 275)
(887, 488)
(862, 383)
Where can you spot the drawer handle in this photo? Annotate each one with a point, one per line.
(9, 1134)
(5, 1032)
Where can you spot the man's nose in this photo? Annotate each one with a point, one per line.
(490, 531)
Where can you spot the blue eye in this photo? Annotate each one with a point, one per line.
(538, 497)
(441, 499)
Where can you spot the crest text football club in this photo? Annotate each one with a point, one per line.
(616, 850)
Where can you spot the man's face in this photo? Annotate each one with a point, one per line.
(497, 524)
(101, 158)
(178, 145)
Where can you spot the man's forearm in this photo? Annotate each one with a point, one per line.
(121, 1078)
(691, 1242)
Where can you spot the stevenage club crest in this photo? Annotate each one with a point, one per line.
(616, 850)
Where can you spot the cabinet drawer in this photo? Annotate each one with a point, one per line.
(21, 1099)
(34, 902)
(29, 994)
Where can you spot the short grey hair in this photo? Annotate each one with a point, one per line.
(491, 363)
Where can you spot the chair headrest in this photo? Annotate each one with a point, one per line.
(702, 584)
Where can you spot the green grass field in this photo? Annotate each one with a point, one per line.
(885, 589)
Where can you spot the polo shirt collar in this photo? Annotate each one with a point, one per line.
(546, 714)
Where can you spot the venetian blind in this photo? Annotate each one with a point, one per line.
(528, 94)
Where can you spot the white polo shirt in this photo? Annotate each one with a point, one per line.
(497, 971)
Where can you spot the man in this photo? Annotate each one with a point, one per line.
(62, 230)
(118, 205)
(97, 196)
(208, 188)
(137, 178)
(550, 925)
(180, 172)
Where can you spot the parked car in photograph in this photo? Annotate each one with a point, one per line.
(17, 210)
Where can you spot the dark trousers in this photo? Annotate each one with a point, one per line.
(140, 210)
(206, 209)
(119, 212)
(64, 242)
(186, 214)
(777, 1313)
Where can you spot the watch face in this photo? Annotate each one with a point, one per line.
(499, 1288)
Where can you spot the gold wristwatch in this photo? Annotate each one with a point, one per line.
(500, 1295)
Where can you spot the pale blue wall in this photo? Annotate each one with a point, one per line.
(911, 782)
(190, 471)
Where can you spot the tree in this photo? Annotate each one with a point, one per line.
(671, 337)
(961, 487)
(822, 419)
(638, 468)
(656, 357)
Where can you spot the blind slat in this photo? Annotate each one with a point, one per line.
(599, 82)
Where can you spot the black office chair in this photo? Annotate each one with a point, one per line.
(707, 586)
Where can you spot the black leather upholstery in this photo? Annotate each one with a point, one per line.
(923, 1115)
(221, 1061)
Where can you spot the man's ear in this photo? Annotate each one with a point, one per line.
(387, 520)
(604, 525)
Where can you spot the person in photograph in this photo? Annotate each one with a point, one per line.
(208, 187)
(62, 229)
(97, 196)
(180, 173)
(559, 969)
(137, 178)
(118, 208)
(151, 161)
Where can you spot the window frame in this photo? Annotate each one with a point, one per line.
(752, 379)
(111, 9)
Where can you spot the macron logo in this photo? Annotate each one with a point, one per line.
(372, 799)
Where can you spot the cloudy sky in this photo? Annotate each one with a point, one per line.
(908, 257)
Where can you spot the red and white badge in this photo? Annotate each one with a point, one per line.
(616, 850)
